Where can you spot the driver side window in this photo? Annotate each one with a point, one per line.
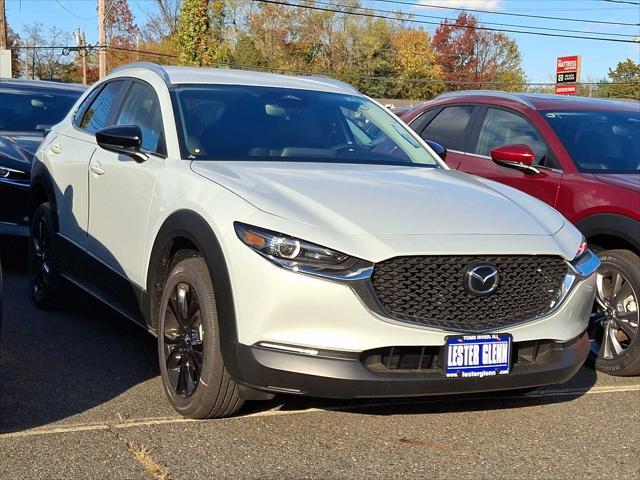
(142, 108)
(500, 128)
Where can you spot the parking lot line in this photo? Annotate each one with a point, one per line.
(145, 422)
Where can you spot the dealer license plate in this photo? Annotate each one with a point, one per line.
(478, 355)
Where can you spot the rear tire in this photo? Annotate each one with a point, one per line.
(614, 325)
(45, 281)
(195, 379)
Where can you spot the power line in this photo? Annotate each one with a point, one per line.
(622, 1)
(146, 52)
(426, 22)
(412, 15)
(511, 14)
(70, 12)
(363, 77)
(322, 73)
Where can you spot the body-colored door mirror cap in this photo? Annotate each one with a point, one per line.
(518, 156)
(124, 139)
(439, 149)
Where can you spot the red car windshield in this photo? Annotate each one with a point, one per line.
(599, 141)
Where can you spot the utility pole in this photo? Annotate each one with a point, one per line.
(6, 55)
(82, 50)
(3, 27)
(102, 38)
(26, 59)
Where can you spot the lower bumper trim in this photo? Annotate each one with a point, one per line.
(329, 377)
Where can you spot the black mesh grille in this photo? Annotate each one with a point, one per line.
(430, 290)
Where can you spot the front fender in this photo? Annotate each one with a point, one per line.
(186, 224)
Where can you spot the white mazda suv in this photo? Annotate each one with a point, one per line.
(289, 235)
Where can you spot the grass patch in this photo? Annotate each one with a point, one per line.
(152, 466)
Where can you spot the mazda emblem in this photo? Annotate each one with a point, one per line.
(481, 278)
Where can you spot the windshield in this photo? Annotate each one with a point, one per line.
(599, 141)
(24, 110)
(228, 122)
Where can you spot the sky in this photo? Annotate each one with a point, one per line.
(539, 53)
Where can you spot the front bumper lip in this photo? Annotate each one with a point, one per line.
(335, 377)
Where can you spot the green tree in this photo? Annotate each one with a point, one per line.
(194, 34)
(627, 74)
(371, 57)
(245, 52)
(509, 73)
(415, 65)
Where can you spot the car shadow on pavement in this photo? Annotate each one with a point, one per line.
(472, 402)
(54, 365)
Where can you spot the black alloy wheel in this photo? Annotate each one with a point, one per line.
(193, 372)
(615, 319)
(183, 336)
(40, 243)
(45, 280)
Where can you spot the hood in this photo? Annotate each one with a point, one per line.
(18, 151)
(376, 199)
(630, 181)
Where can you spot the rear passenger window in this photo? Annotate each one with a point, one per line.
(449, 127)
(99, 113)
(82, 109)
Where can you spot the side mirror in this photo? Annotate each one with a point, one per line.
(520, 157)
(439, 149)
(124, 139)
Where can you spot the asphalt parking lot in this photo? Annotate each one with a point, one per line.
(81, 397)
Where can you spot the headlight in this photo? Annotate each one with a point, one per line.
(302, 256)
(12, 174)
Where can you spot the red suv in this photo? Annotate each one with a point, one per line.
(579, 155)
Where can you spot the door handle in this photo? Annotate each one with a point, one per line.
(96, 167)
(56, 148)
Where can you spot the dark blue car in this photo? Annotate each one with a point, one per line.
(28, 109)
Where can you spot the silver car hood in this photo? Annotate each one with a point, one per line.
(382, 199)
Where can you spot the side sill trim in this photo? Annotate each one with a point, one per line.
(99, 296)
(93, 257)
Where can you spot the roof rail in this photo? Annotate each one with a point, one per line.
(155, 68)
(488, 93)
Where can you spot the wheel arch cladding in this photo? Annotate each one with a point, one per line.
(189, 227)
(613, 226)
(42, 190)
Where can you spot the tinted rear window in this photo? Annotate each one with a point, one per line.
(449, 127)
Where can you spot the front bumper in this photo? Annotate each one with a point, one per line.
(307, 335)
(336, 375)
(284, 307)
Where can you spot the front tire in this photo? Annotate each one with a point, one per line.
(45, 281)
(613, 329)
(195, 379)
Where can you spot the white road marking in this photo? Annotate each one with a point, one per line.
(146, 422)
